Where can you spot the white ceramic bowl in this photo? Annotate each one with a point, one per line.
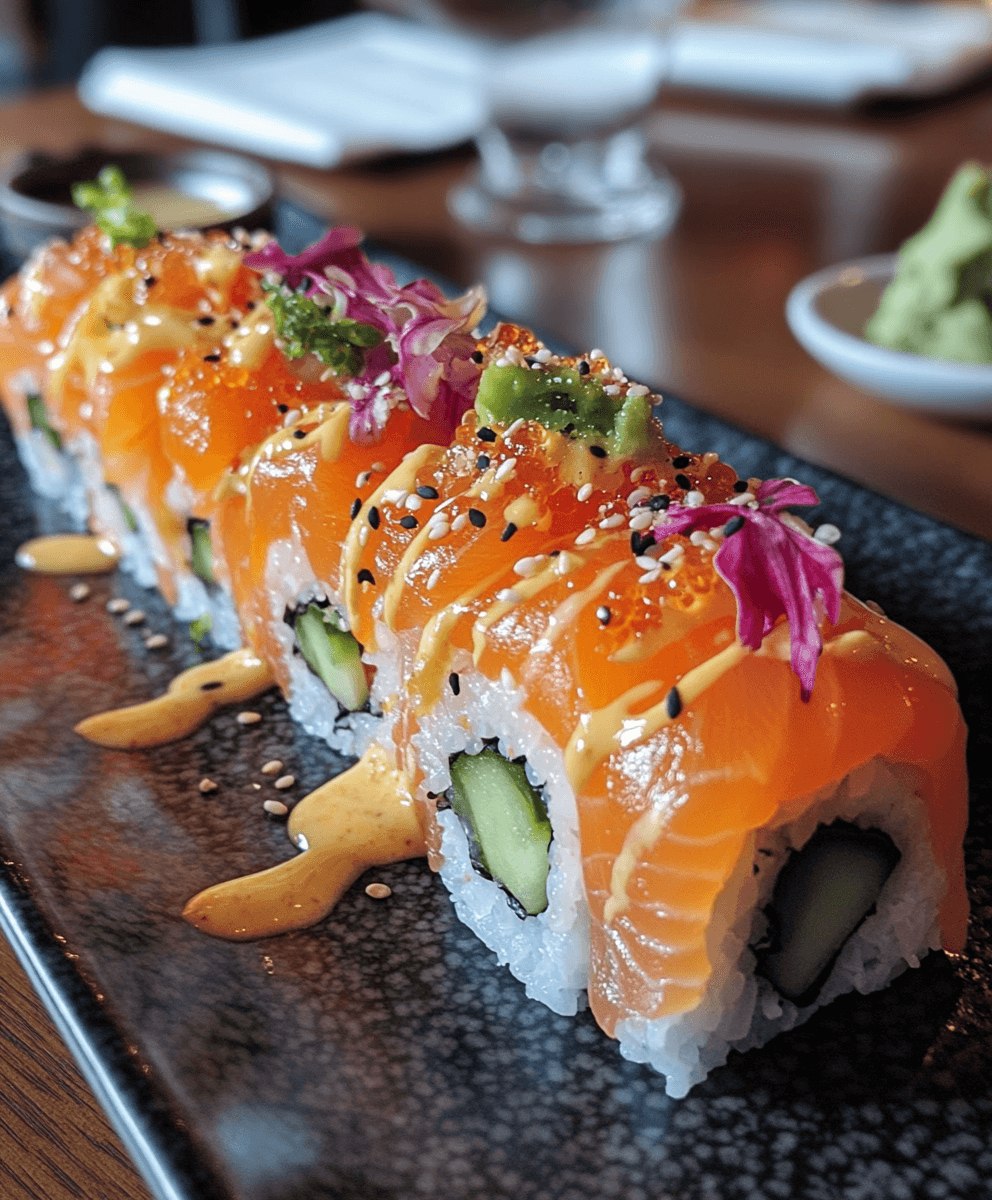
(827, 313)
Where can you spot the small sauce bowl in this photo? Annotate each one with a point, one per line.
(827, 313)
(197, 189)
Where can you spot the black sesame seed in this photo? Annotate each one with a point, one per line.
(740, 486)
(455, 682)
(482, 461)
(477, 517)
(365, 576)
(583, 367)
(508, 532)
(673, 703)
(486, 434)
(356, 507)
(640, 542)
(733, 525)
(211, 358)
(251, 306)
(432, 795)
(235, 324)
(659, 503)
(205, 320)
(283, 408)
(604, 614)
(212, 686)
(529, 359)
(409, 521)
(426, 492)
(554, 553)
(569, 428)
(683, 460)
(477, 356)
(597, 451)
(299, 433)
(149, 280)
(684, 482)
(374, 517)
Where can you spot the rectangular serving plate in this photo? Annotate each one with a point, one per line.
(384, 1053)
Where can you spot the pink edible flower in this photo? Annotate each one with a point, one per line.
(772, 568)
(428, 345)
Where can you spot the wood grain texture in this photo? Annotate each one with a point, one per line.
(55, 1143)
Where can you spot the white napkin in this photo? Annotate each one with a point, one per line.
(369, 83)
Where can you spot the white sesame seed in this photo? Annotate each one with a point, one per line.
(585, 537)
(694, 499)
(207, 785)
(646, 562)
(508, 596)
(827, 534)
(566, 562)
(505, 468)
(597, 353)
(525, 567)
(285, 781)
(135, 617)
(440, 530)
(613, 522)
(379, 891)
(502, 361)
(584, 493)
(543, 354)
(743, 498)
(637, 391)
(362, 478)
(118, 605)
(650, 576)
(79, 591)
(612, 389)
(637, 473)
(275, 807)
(514, 427)
(272, 767)
(672, 556)
(459, 522)
(158, 641)
(643, 520)
(381, 379)
(432, 581)
(412, 502)
(395, 495)
(698, 537)
(378, 466)
(637, 495)
(248, 718)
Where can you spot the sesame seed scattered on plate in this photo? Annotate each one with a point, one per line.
(135, 617)
(275, 807)
(379, 891)
(272, 767)
(248, 718)
(158, 641)
(285, 781)
(118, 605)
(79, 591)
(207, 785)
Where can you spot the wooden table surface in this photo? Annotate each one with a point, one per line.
(771, 194)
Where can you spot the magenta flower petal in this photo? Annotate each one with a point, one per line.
(773, 568)
(294, 268)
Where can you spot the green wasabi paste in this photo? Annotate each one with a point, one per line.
(938, 303)
(562, 398)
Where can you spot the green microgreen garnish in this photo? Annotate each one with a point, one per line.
(110, 200)
(199, 629)
(39, 419)
(305, 327)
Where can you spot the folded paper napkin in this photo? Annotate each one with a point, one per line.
(371, 84)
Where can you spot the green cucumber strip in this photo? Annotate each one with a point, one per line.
(509, 823)
(39, 419)
(822, 895)
(202, 559)
(334, 655)
(130, 520)
(199, 628)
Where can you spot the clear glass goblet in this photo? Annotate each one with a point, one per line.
(564, 158)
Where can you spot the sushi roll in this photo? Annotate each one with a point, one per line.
(664, 764)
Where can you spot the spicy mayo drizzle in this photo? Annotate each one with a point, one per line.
(191, 698)
(68, 554)
(363, 818)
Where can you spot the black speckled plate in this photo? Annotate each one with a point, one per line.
(383, 1054)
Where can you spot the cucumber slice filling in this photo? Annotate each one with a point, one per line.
(822, 894)
(333, 654)
(202, 557)
(508, 822)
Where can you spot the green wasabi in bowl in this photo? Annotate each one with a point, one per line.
(938, 304)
